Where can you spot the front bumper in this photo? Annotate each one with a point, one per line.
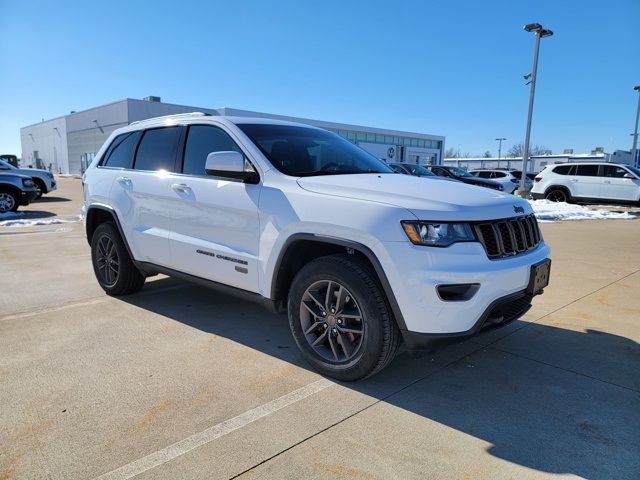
(499, 313)
(537, 196)
(415, 272)
(27, 196)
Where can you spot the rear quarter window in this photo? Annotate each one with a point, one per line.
(120, 152)
(564, 169)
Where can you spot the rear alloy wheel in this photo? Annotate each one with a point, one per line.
(339, 318)
(112, 265)
(8, 202)
(557, 195)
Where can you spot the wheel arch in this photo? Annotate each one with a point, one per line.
(300, 248)
(41, 183)
(97, 214)
(564, 188)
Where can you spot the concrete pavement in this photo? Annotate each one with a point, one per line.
(182, 382)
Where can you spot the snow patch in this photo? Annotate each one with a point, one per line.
(32, 222)
(547, 211)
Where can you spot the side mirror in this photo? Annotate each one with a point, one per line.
(628, 175)
(230, 165)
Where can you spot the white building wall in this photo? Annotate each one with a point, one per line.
(48, 141)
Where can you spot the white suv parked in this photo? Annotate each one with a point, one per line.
(507, 178)
(588, 182)
(307, 223)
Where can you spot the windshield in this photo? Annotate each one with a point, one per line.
(6, 165)
(420, 171)
(305, 152)
(458, 172)
(634, 170)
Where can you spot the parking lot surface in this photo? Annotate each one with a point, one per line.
(182, 382)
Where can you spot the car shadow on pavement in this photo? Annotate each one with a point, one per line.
(50, 199)
(554, 400)
(28, 214)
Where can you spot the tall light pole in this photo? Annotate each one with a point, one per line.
(500, 150)
(634, 150)
(540, 33)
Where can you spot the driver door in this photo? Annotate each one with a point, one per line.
(215, 222)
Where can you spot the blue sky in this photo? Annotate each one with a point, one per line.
(452, 68)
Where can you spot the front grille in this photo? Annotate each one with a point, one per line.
(509, 236)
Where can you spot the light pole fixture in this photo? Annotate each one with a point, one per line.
(634, 149)
(499, 149)
(540, 33)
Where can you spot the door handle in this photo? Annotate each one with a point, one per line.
(124, 180)
(574, 179)
(607, 181)
(180, 187)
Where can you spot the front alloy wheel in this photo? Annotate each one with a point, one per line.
(332, 321)
(339, 318)
(7, 202)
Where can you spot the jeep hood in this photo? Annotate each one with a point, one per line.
(426, 198)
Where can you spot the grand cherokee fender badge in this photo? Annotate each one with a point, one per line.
(518, 209)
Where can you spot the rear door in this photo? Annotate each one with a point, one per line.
(585, 183)
(142, 194)
(215, 229)
(615, 186)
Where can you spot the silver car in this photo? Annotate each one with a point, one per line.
(43, 179)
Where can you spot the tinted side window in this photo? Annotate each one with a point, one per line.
(587, 170)
(499, 175)
(201, 141)
(483, 174)
(562, 169)
(157, 150)
(120, 153)
(612, 171)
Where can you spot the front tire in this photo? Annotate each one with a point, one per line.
(112, 265)
(340, 320)
(40, 188)
(9, 201)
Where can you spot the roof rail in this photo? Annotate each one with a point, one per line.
(176, 116)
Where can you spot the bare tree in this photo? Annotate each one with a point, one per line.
(452, 153)
(487, 154)
(517, 150)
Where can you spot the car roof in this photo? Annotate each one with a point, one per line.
(588, 163)
(199, 117)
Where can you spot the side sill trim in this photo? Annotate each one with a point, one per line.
(151, 268)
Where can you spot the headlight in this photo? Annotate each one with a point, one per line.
(27, 182)
(437, 234)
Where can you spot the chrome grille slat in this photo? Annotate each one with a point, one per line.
(508, 237)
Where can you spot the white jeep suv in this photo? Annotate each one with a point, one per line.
(307, 223)
(586, 182)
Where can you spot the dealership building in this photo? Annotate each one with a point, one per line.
(67, 144)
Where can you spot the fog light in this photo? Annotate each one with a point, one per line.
(459, 292)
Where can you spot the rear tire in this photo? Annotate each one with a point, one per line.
(9, 201)
(112, 265)
(558, 195)
(340, 320)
